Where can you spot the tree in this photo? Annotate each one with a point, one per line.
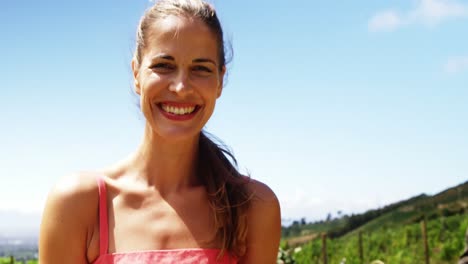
(329, 217)
(303, 221)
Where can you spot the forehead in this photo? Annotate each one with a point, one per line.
(181, 36)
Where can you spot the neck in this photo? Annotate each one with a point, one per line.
(167, 165)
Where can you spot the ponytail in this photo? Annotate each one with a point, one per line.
(228, 194)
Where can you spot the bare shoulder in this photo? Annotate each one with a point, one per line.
(75, 194)
(261, 193)
(264, 225)
(68, 216)
(75, 184)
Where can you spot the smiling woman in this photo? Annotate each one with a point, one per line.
(177, 68)
(178, 198)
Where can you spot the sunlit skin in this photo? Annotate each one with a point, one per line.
(179, 66)
(157, 202)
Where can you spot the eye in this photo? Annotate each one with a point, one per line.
(201, 68)
(162, 67)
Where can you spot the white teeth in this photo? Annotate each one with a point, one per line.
(178, 110)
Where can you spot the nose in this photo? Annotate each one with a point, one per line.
(181, 84)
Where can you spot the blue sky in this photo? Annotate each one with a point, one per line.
(336, 106)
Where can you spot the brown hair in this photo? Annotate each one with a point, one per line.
(227, 189)
(189, 8)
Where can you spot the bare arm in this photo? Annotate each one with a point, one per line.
(65, 222)
(264, 227)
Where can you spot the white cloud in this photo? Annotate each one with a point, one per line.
(385, 21)
(426, 12)
(456, 64)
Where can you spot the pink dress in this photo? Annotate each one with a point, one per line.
(180, 256)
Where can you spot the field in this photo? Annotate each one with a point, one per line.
(392, 234)
(393, 245)
(8, 261)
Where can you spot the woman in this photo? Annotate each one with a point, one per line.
(177, 199)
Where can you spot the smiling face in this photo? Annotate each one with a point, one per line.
(179, 77)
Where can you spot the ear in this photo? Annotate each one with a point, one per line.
(221, 82)
(136, 72)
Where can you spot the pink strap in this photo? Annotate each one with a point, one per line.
(103, 228)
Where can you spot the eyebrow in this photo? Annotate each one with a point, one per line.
(169, 57)
(201, 60)
(164, 56)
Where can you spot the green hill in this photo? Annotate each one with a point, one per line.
(452, 201)
(392, 233)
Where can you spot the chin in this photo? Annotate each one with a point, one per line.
(177, 134)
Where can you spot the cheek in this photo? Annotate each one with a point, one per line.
(149, 89)
(208, 86)
(152, 85)
(146, 107)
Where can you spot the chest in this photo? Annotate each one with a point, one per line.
(139, 222)
(160, 224)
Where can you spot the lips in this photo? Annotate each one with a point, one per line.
(178, 111)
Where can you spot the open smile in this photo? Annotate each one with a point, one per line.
(178, 111)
